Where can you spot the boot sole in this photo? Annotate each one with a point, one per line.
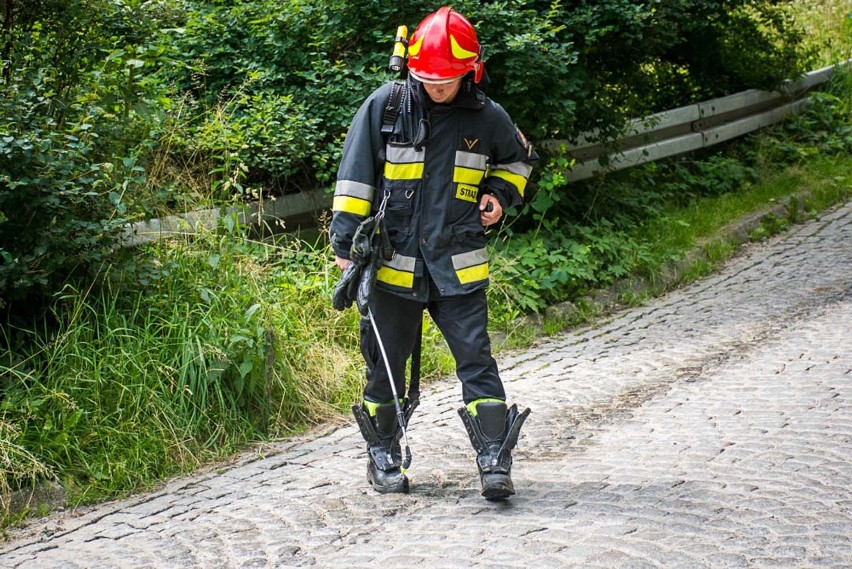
(398, 488)
(494, 494)
(497, 487)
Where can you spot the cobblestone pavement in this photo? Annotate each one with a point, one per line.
(711, 427)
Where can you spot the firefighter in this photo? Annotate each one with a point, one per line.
(447, 167)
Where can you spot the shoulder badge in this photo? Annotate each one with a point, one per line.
(523, 141)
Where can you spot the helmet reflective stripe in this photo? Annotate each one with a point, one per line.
(414, 48)
(459, 52)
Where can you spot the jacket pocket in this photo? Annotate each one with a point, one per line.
(469, 235)
(399, 210)
(463, 205)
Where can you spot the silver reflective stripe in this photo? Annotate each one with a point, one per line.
(354, 190)
(404, 154)
(402, 263)
(471, 160)
(470, 259)
(519, 168)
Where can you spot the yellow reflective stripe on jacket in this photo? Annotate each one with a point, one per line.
(351, 205)
(403, 171)
(353, 197)
(467, 176)
(471, 266)
(469, 168)
(403, 163)
(516, 174)
(399, 271)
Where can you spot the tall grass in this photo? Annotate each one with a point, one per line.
(177, 361)
(828, 27)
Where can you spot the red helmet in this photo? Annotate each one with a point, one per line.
(443, 47)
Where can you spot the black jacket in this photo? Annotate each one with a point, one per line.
(434, 167)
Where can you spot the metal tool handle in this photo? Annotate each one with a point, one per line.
(400, 416)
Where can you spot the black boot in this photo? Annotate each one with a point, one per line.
(493, 432)
(382, 433)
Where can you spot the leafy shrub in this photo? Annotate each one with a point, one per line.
(58, 201)
(75, 114)
(559, 67)
(824, 126)
(636, 58)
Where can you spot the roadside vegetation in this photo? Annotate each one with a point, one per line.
(122, 367)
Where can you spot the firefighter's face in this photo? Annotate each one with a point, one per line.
(444, 92)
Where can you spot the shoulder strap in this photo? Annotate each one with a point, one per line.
(392, 108)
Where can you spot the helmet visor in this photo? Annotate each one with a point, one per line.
(435, 81)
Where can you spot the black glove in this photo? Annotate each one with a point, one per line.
(370, 247)
(366, 283)
(347, 287)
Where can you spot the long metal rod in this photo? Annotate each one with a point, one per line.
(400, 416)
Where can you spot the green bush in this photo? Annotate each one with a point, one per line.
(75, 117)
(223, 100)
(559, 68)
(58, 198)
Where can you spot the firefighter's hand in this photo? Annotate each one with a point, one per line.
(490, 210)
(341, 262)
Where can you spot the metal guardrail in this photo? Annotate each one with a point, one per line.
(688, 128)
(658, 136)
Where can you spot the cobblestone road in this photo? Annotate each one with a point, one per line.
(709, 428)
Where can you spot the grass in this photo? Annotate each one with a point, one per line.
(828, 27)
(825, 181)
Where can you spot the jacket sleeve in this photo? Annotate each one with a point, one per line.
(358, 173)
(510, 162)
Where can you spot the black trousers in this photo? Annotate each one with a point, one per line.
(463, 321)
